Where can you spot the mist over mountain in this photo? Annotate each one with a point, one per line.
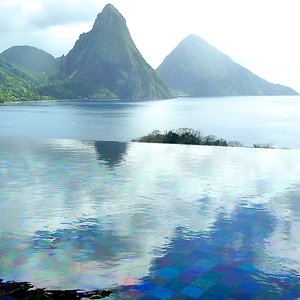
(197, 69)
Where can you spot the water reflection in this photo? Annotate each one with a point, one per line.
(79, 225)
(226, 264)
(111, 153)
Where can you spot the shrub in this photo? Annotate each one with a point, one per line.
(263, 146)
(185, 136)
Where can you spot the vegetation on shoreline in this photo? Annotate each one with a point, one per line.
(18, 84)
(25, 290)
(188, 136)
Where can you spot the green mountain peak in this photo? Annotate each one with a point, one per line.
(29, 57)
(198, 69)
(106, 63)
(109, 19)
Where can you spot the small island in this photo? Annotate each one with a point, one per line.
(188, 136)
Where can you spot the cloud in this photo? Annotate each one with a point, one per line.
(47, 13)
(11, 14)
(52, 25)
(57, 12)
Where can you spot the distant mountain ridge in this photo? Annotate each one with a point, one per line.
(29, 57)
(105, 63)
(197, 69)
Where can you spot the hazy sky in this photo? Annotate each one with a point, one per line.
(262, 35)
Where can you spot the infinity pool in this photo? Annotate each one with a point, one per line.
(151, 221)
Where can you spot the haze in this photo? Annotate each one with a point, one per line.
(260, 35)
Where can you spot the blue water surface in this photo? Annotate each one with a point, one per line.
(249, 120)
(151, 221)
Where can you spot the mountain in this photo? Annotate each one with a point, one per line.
(106, 63)
(197, 69)
(30, 58)
(16, 84)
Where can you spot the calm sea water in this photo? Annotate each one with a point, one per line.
(159, 220)
(273, 120)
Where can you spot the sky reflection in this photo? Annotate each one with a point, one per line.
(86, 214)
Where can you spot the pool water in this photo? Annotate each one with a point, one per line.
(151, 221)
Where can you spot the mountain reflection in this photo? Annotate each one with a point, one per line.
(227, 262)
(89, 241)
(111, 153)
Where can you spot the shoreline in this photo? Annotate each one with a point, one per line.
(23, 290)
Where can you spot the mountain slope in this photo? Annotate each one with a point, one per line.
(31, 58)
(198, 69)
(106, 63)
(16, 84)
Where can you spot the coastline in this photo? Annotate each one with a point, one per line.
(25, 290)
